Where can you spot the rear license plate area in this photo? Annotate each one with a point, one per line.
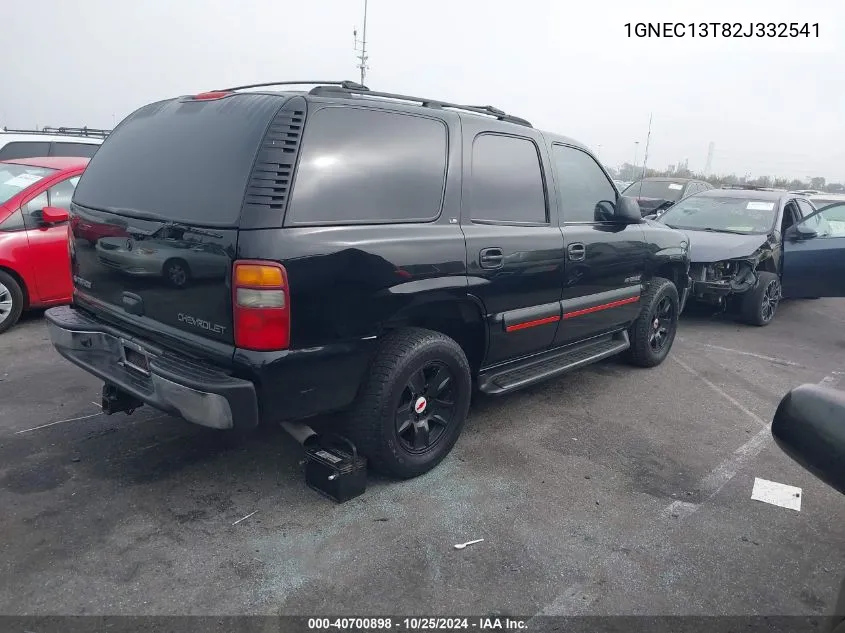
(134, 358)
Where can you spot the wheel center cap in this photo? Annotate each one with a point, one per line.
(420, 404)
(656, 323)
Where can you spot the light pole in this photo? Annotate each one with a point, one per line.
(636, 150)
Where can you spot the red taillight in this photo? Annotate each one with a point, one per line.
(261, 302)
(212, 94)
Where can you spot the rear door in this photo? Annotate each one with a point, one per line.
(514, 246)
(158, 209)
(814, 255)
(604, 259)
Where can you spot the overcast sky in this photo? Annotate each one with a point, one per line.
(771, 106)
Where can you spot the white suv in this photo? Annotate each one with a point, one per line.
(50, 141)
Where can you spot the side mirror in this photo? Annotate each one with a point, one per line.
(53, 215)
(627, 210)
(809, 426)
(800, 232)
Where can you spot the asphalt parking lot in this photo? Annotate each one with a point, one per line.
(609, 491)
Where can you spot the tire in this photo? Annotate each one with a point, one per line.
(11, 301)
(176, 272)
(653, 333)
(758, 305)
(399, 403)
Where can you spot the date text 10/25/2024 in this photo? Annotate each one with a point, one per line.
(418, 624)
(722, 29)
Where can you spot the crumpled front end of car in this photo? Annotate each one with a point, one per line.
(713, 282)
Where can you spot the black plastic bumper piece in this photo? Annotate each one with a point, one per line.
(170, 382)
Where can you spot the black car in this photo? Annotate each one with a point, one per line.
(380, 253)
(751, 248)
(655, 195)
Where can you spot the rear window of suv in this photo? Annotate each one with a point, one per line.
(361, 166)
(185, 161)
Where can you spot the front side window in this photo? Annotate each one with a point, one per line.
(582, 185)
(360, 166)
(829, 222)
(722, 214)
(506, 181)
(32, 210)
(13, 222)
(61, 193)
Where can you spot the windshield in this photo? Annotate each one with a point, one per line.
(731, 215)
(15, 178)
(662, 189)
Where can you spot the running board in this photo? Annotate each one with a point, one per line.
(549, 364)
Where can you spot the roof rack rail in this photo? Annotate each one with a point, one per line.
(64, 131)
(350, 85)
(427, 103)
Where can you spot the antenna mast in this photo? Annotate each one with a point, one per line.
(645, 155)
(361, 47)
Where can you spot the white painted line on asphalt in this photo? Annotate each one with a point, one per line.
(721, 392)
(727, 470)
(44, 426)
(771, 359)
(244, 518)
(780, 495)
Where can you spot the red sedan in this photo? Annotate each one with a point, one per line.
(35, 195)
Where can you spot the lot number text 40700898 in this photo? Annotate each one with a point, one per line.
(721, 29)
(417, 624)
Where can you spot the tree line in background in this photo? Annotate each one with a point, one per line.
(629, 172)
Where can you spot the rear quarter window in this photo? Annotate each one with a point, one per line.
(364, 166)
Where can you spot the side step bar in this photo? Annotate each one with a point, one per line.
(514, 376)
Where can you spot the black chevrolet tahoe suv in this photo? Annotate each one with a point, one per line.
(273, 254)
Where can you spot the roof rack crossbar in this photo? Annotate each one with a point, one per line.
(64, 131)
(351, 85)
(427, 103)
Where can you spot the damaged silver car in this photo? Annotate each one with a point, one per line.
(749, 249)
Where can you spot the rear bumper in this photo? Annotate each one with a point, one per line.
(175, 384)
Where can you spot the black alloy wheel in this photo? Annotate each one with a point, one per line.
(662, 323)
(426, 408)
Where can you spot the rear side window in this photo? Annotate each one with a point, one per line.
(85, 150)
(24, 149)
(581, 185)
(359, 166)
(184, 161)
(506, 183)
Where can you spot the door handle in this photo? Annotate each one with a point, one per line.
(491, 258)
(577, 251)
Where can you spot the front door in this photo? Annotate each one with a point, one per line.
(514, 245)
(604, 259)
(48, 244)
(814, 255)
